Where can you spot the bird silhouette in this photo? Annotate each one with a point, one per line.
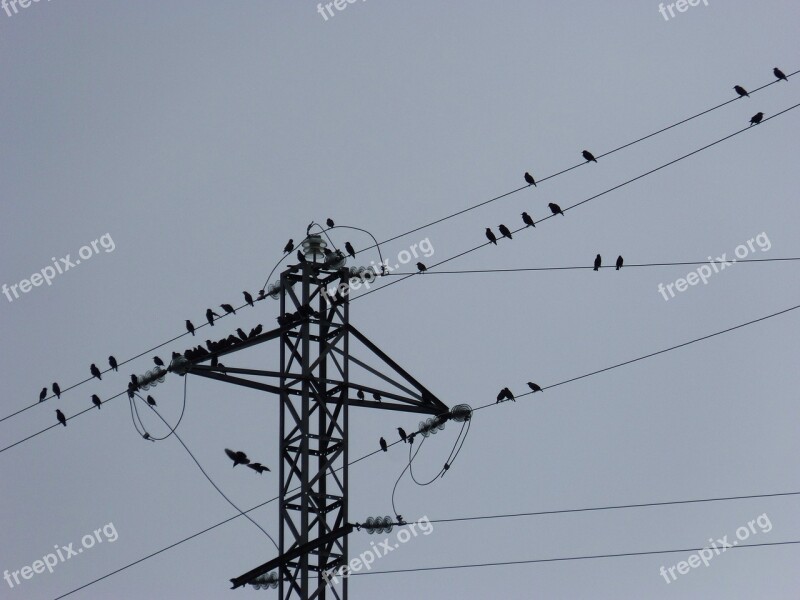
(402, 433)
(490, 234)
(289, 247)
(534, 387)
(131, 390)
(589, 156)
(242, 335)
(301, 258)
(57, 390)
(262, 295)
(779, 74)
(158, 361)
(96, 400)
(529, 179)
(555, 209)
(189, 326)
(376, 396)
(95, 371)
(210, 315)
(134, 381)
(597, 262)
(421, 267)
(228, 308)
(238, 458)
(384, 445)
(505, 231)
(526, 218)
(112, 362)
(329, 222)
(741, 91)
(258, 329)
(151, 401)
(248, 298)
(508, 394)
(619, 262)
(360, 394)
(350, 250)
(756, 119)
(258, 467)
(43, 394)
(61, 418)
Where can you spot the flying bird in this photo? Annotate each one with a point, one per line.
(619, 262)
(151, 401)
(534, 387)
(384, 445)
(238, 458)
(756, 118)
(779, 74)
(248, 298)
(57, 390)
(61, 418)
(43, 394)
(741, 91)
(589, 156)
(505, 231)
(112, 362)
(258, 467)
(227, 308)
(158, 361)
(490, 234)
(189, 326)
(289, 247)
(421, 267)
(96, 400)
(526, 218)
(95, 371)
(329, 222)
(555, 209)
(349, 247)
(402, 433)
(529, 179)
(597, 262)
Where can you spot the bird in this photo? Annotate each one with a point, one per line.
(57, 390)
(258, 329)
(96, 400)
(248, 298)
(741, 91)
(95, 371)
(589, 156)
(360, 394)
(529, 179)
(555, 209)
(301, 257)
(43, 394)
(238, 458)
(349, 247)
(112, 362)
(756, 119)
(597, 262)
(262, 295)
(508, 394)
(619, 262)
(289, 247)
(329, 222)
(227, 308)
(158, 361)
(534, 387)
(505, 231)
(258, 467)
(384, 445)
(402, 433)
(210, 314)
(151, 401)
(490, 234)
(526, 218)
(779, 74)
(189, 326)
(376, 396)
(421, 267)
(61, 418)
(241, 334)
(134, 381)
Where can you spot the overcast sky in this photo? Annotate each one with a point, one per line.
(198, 137)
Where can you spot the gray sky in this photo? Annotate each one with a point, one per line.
(200, 136)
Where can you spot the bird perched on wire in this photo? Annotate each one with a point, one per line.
(43, 394)
(421, 267)
(534, 387)
(242, 335)
(350, 250)
(597, 262)
(238, 458)
(112, 362)
(262, 295)
(779, 74)
(289, 247)
(589, 156)
(529, 179)
(189, 326)
(403, 435)
(526, 218)
(210, 316)
(248, 298)
(329, 222)
(504, 231)
(360, 394)
(61, 418)
(96, 400)
(619, 263)
(505, 394)
(384, 445)
(158, 361)
(151, 401)
(258, 467)
(228, 308)
(492, 237)
(741, 91)
(57, 390)
(756, 119)
(376, 396)
(555, 209)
